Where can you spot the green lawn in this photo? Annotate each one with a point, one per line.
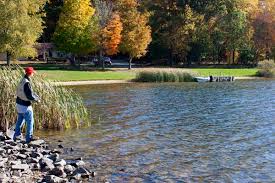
(226, 72)
(61, 75)
(86, 75)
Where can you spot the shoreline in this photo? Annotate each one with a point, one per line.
(35, 162)
(100, 82)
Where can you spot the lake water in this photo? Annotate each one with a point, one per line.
(184, 132)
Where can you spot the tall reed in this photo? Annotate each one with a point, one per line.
(164, 76)
(266, 69)
(60, 108)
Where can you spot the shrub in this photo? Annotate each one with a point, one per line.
(266, 68)
(164, 76)
(60, 108)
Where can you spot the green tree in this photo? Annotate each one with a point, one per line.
(136, 33)
(20, 27)
(74, 29)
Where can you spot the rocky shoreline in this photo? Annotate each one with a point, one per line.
(35, 162)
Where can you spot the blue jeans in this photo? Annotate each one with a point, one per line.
(28, 117)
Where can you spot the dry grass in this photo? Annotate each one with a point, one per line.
(165, 75)
(60, 108)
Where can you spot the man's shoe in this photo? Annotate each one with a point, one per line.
(32, 139)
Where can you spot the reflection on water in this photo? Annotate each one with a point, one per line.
(186, 132)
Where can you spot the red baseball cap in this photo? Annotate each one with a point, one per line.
(29, 70)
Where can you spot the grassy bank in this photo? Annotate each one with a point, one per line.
(225, 72)
(61, 75)
(64, 75)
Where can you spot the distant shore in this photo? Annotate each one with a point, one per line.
(99, 82)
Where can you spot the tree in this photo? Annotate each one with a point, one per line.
(73, 32)
(136, 34)
(112, 35)
(264, 27)
(52, 9)
(20, 27)
(109, 29)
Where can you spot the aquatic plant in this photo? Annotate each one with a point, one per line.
(266, 68)
(60, 108)
(169, 75)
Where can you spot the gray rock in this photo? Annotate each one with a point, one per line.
(32, 160)
(4, 178)
(35, 166)
(55, 151)
(21, 156)
(76, 177)
(53, 179)
(58, 171)
(2, 136)
(15, 162)
(83, 172)
(54, 157)
(36, 155)
(37, 143)
(61, 162)
(69, 169)
(2, 150)
(17, 173)
(20, 167)
(80, 163)
(46, 164)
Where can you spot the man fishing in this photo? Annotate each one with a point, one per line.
(25, 97)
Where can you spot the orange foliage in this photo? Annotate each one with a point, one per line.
(111, 35)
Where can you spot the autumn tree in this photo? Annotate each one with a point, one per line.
(109, 29)
(112, 35)
(73, 32)
(20, 27)
(136, 34)
(264, 27)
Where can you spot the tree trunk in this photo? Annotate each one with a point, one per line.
(130, 63)
(233, 59)
(72, 60)
(8, 58)
(101, 60)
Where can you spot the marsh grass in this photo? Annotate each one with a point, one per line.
(60, 108)
(168, 75)
(266, 69)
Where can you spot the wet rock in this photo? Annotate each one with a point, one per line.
(53, 157)
(78, 163)
(82, 171)
(55, 151)
(58, 171)
(61, 162)
(60, 146)
(71, 149)
(37, 143)
(69, 169)
(93, 174)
